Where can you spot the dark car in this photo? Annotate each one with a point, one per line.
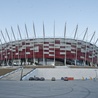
(65, 79)
(36, 79)
(31, 78)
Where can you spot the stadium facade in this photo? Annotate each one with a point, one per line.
(48, 51)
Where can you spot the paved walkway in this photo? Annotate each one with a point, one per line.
(49, 89)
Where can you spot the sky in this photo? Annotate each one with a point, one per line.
(83, 13)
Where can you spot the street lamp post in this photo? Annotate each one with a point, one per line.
(96, 74)
(21, 73)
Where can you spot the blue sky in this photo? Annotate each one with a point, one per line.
(73, 12)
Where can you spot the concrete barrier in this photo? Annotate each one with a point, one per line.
(47, 73)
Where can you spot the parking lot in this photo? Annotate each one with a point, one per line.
(49, 89)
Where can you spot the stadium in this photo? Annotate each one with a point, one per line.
(48, 51)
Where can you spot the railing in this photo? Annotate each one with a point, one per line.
(27, 74)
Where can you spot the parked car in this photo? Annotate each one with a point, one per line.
(53, 79)
(36, 79)
(31, 78)
(65, 78)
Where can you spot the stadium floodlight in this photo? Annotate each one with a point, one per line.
(65, 41)
(43, 43)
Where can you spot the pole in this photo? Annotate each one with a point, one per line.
(26, 31)
(34, 43)
(5, 47)
(12, 43)
(85, 45)
(76, 51)
(8, 38)
(93, 50)
(65, 42)
(1, 51)
(54, 43)
(76, 44)
(43, 44)
(21, 73)
(76, 32)
(92, 47)
(96, 74)
(19, 32)
(92, 36)
(18, 51)
(85, 33)
(13, 33)
(25, 42)
(85, 52)
(18, 40)
(96, 50)
(7, 34)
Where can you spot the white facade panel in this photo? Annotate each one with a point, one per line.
(46, 44)
(46, 48)
(46, 52)
(49, 40)
(82, 50)
(68, 49)
(27, 52)
(51, 46)
(51, 50)
(51, 54)
(31, 48)
(13, 50)
(73, 48)
(16, 53)
(62, 52)
(62, 48)
(82, 57)
(73, 52)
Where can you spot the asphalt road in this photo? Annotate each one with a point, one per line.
(49, 89)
